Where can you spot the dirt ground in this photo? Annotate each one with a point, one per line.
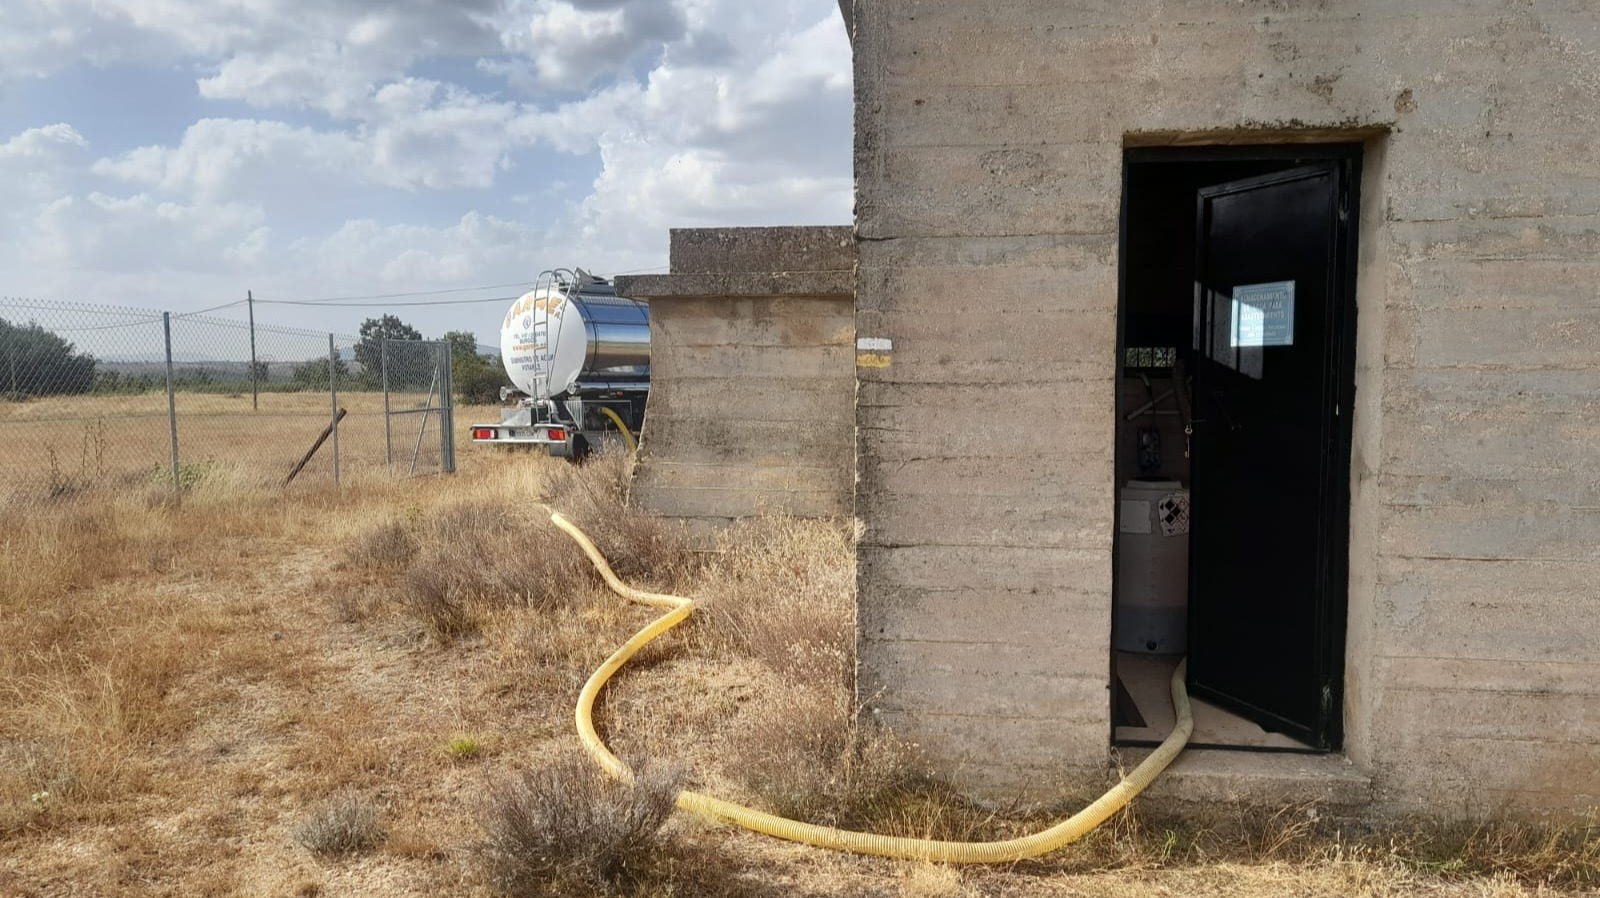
(181, 687)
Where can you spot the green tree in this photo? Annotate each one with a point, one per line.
(478, 377)
(463, 345)
(36, 362)
(312, 374)
(369, 351)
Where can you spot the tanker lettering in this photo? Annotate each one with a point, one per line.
(552, 306)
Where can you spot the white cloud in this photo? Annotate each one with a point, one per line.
(399, 255)
(694, 112)
(572, 43)
(102, 235)
(766, 142)
(48, 143)
(322, 75)
(782, 96)
(429, 136)
(438, 136)
(299, 50)
(36, 166)
(225, 157)
(667, 143)
(643, 192)
(252, 250)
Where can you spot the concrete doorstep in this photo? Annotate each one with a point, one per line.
(1267, 781)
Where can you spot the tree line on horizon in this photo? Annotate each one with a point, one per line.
(36, 362)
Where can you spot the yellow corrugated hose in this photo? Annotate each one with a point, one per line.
(706, 806)
(627, 435)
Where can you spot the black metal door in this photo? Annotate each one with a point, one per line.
(1270, 449)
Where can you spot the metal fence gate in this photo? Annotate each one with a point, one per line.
(418, 405)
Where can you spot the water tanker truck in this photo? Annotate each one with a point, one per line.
(578, 356)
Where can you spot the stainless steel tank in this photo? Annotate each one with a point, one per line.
(573, 336)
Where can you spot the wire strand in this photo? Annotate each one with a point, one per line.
(358, 305)
(352, 299)
(226, 305)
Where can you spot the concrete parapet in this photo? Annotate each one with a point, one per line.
(752, 390)
(762, 250)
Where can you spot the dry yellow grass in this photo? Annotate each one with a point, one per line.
(123, 442)
(184, 689)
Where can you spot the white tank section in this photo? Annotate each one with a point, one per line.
(571, 334)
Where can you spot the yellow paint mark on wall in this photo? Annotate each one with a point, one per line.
(872, 359)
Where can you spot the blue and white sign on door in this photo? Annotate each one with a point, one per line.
(1263, 314)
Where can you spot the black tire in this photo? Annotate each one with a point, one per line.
(578, 448)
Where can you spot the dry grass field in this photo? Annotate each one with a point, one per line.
(367, 691)
(67, 443)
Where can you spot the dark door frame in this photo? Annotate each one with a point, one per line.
(1340, 353)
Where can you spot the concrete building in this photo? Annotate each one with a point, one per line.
(752, 375)
(1362, 239)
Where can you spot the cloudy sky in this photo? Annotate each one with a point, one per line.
(173, 153)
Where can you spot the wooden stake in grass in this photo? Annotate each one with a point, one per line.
(326, 432)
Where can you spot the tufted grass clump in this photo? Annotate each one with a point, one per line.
(463, 747)
(349, 824)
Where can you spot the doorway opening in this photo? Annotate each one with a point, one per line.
(1236, 331)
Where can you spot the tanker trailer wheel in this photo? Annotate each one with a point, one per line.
(575, 449)
(579, 450)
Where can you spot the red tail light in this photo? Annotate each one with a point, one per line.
(558, 433)
(483, 433)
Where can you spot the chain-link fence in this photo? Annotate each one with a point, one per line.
(419, 404)
(97, 397)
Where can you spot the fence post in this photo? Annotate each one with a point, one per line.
(333, 397)
(447, 412)
(388, 439)
(172, 402)
(255, 386)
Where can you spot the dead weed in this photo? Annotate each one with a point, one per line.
(477, 555)
(639, 546)
(807, 754)
(782, 591)
(566, 828)
(348, 824)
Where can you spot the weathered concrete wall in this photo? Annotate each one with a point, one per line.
(989, 147)
(751, 374)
